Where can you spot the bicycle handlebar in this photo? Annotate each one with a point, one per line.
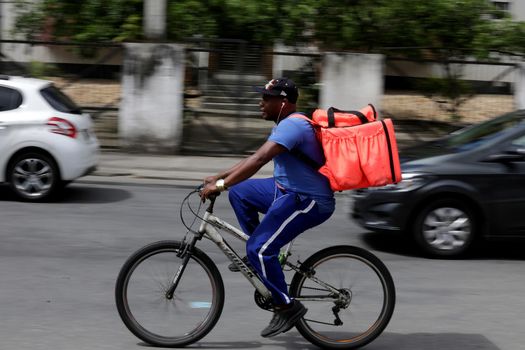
(185, 202)
(211, 198)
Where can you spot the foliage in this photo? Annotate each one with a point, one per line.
(79, 21)
(365, 25)
(445, 28)
(42, 70)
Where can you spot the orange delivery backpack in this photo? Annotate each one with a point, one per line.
(360, 151)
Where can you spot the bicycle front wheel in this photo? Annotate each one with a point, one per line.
(169, 322)
(360, 307)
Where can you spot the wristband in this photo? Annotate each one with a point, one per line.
(220, 185)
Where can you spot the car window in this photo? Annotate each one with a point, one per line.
(520, 141)
(9, 99)
(479, 134)
(59, 101)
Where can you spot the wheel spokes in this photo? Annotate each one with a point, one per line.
(446, 228)
(359, 310)
(32, 177)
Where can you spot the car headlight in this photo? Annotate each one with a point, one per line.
(409, 182)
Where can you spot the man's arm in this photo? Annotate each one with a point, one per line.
(224, 174)
(246, 168)
(254, 162)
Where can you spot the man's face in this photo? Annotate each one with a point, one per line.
(270, 106)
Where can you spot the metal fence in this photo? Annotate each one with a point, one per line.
(421, 89)
(221, 114)
(221, 106)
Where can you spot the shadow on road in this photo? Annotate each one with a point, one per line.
(386, 341)
(77, 194)
(397, 243)
(394, 243)
(92, 195)
(432, 341)
(217, 345)
(508, 250)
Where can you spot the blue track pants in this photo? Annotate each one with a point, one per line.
(287, 215)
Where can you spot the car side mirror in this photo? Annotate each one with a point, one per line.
(517, 155)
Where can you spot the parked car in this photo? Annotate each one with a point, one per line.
(46, 140)
(468, 185)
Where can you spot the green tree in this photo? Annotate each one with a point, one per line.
(79, 21)
(233, 19)
(366, 25)
(443, 31)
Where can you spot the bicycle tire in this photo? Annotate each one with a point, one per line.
(136, 310)
(372, 278)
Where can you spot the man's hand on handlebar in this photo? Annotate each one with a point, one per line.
(208, 190)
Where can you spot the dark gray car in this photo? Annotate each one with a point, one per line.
(468, 185)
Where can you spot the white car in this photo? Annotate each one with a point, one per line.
(45, 140)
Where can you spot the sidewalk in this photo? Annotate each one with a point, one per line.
(180, 170)
(174, 170)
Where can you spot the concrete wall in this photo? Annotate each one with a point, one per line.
(7, 19)
(150, 116)
(24, 53)
(517, 10)
(154, 19)
(519, 87)
(351, 81)
(476, 72)
(282, 63)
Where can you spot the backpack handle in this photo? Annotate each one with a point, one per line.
(331, 116)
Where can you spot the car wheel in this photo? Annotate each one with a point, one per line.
(445, 228)
(33, 176)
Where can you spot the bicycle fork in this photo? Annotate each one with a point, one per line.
(185, 253)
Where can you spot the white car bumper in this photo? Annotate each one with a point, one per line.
(79, 158)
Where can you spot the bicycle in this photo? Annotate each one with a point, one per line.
(164, 309)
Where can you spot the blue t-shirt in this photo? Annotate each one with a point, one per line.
(294, 174)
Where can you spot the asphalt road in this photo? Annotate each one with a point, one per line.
(59, 262)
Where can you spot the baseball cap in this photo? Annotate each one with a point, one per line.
(280, 87)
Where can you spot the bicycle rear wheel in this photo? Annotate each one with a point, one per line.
(141, 295)
(366, 304)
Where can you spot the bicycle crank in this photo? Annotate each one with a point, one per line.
(263, 302)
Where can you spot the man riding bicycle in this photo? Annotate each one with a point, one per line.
(297, 198)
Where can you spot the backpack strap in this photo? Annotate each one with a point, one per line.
(303, 157)
(390, 157)
(330, 112)
(373, 110)
(296, 152)
(303, 116)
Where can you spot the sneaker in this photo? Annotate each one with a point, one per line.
(284, 319)
(234, 268)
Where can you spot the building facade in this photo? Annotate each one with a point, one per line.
(516, 8)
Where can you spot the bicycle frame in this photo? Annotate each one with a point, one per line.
(208, 227)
